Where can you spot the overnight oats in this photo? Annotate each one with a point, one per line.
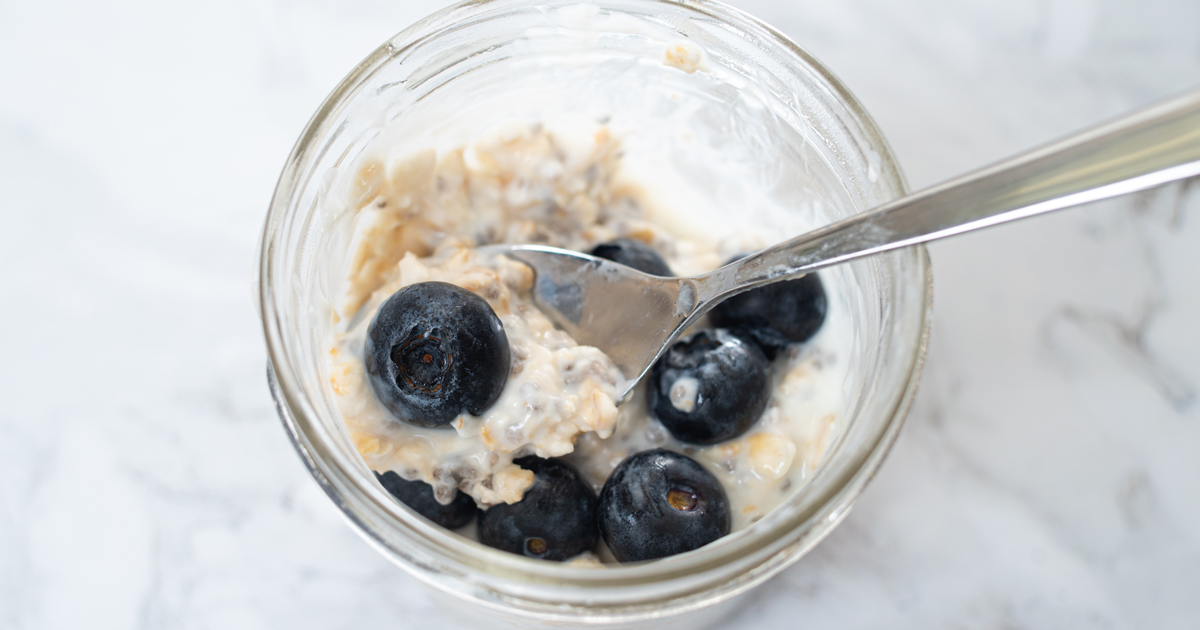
(667, 136)
(472, 409)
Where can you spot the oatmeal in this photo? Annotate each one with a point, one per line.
(418, 217)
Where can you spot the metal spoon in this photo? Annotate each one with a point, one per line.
(633, 317)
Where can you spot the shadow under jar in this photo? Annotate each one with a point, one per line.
(750, 98)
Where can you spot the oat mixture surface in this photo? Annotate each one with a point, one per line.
(418, 217)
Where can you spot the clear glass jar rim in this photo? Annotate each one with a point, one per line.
(307, 435)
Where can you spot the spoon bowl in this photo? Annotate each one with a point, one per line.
(630, 315)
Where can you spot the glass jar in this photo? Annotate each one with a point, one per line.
(746, 93)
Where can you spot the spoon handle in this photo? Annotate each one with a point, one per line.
(1140, 150)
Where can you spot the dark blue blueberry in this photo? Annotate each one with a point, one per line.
(659, 503)
(710, 387)
(418, 495)
(775, 315)
(634, 254)
(434, 351)
(555, 520)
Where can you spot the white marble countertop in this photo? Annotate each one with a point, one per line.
(1049, 475)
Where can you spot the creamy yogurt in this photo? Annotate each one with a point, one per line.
(418, 215)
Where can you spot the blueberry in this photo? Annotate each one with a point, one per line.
(775, 315)
(434, 351)
(659, 503)
(710, 387)
(555, 520)
(418, 495)
(634, 254)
